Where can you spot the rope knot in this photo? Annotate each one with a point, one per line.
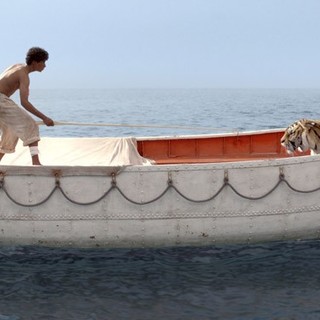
(226, 176)
(113, 181)
(57, 175)
(2, 174)
(281, 174)
(57, 181)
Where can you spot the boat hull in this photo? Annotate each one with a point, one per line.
(167, 205)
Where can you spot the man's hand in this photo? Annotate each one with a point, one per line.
(48, 122)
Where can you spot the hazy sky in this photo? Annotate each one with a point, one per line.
(166, 43)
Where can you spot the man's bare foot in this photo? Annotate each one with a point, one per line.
(36, 163)
(35, 160)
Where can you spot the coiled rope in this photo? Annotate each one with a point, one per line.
(170, 185)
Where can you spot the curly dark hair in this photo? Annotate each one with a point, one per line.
(36, 54)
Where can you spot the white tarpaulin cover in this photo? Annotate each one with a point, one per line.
(81, 152)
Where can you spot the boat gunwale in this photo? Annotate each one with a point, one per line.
(61, 171)
(211, 135)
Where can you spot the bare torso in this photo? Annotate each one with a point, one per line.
(12, 78)
(16, 78)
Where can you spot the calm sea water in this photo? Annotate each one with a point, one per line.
(263, 281)
(223, 109)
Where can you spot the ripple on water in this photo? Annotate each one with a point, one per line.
(226, 282)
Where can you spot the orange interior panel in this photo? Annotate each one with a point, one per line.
(154, 149)
(265, 143)
(182, 148)
(237, 145)
(208, 148)
(214, 149)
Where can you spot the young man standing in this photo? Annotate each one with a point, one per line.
(15, 122)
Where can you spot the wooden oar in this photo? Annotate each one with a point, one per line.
(89, 124)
